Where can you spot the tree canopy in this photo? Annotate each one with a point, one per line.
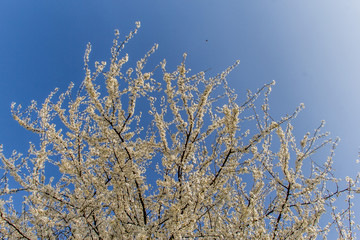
(165, 154)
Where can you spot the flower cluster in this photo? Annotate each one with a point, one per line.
(167, 155)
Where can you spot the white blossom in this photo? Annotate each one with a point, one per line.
(168, 155)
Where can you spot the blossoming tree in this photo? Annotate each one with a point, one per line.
(191, 162)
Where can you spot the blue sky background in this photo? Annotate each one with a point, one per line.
(310, 47)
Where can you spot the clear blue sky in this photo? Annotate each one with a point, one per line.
(311, 48)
